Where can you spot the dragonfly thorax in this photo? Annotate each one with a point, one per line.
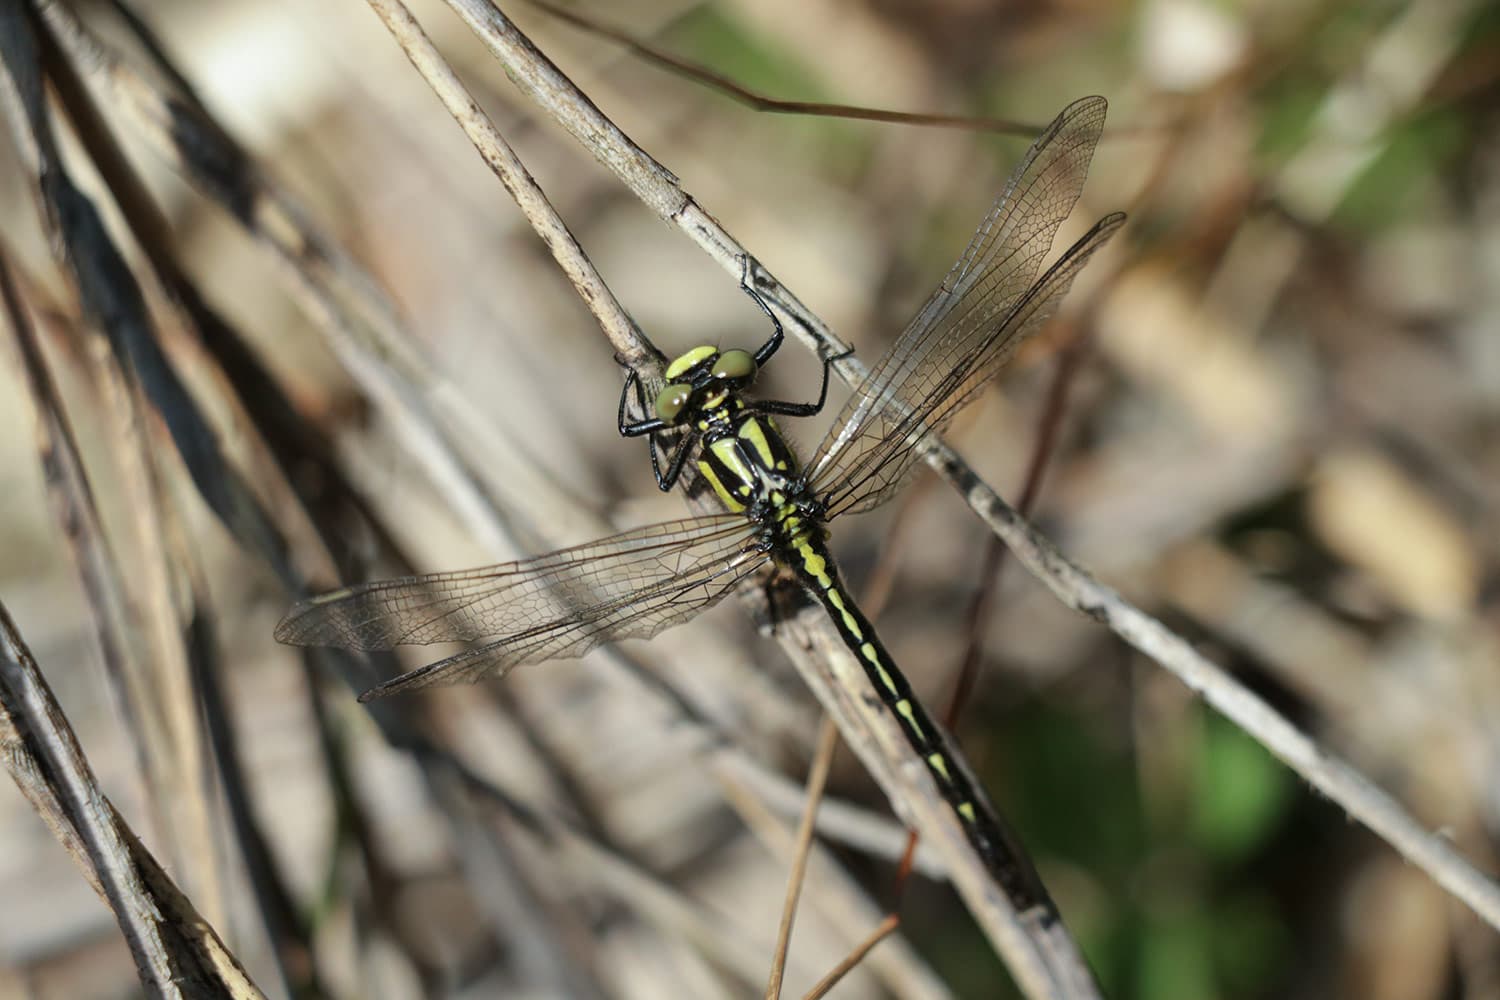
(703, 380)
(747, 462)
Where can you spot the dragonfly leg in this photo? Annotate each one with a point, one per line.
(645, 425)
(786, 409)
(679, 459)
(772, 345)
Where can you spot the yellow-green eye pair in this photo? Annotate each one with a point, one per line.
(675, 395)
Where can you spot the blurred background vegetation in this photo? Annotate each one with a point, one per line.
(1282, 436)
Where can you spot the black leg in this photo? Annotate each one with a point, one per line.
(679, 459)
(643, 426)
(785, 409)
(630, 380)
(770, 347)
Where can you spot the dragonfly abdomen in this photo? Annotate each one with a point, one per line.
(810, 560)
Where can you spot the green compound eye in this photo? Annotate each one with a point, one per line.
(734, 364)
(671, 400)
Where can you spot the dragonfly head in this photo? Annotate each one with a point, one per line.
(702, 379)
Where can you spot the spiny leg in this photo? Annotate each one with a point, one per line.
(679, 459)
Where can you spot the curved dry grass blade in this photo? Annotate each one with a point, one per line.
(113, 303)
(98, 571)
(177, 953)
(362, 326)
(886, 928)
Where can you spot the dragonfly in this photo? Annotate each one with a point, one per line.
(775, 508)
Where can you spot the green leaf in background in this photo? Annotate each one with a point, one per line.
(1176, 958)
(1286, 117)
(1416, 151)
(1242, 791)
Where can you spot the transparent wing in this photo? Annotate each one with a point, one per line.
(882, 468)
(967, 328)
(630, 585)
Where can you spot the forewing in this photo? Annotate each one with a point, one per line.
(882, 467)
(963, 320)
(630, 585)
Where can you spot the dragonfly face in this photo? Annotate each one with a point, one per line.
(702, 383)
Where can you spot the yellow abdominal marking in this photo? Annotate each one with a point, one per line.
(874, 658)
(966, 810)
(938, 764)
(815, 565)
(904, 707)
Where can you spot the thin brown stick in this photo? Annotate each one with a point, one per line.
(1069, 362)
(701, 74)
(529, 197)
(882, 931)
(817, 779)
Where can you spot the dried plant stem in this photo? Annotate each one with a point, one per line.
(616, 324)
(817, 778)
(885, 929)
(701, 74)
(176, 952)
(1335, 778)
